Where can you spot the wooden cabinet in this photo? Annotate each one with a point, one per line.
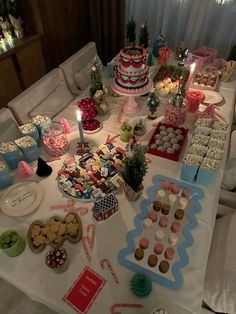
(21, 65)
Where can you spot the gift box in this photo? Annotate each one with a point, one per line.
(172, 156)
(202, 56)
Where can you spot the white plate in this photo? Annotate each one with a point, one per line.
(21, 199)
(212, 97)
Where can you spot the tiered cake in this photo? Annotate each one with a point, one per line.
(132, 71)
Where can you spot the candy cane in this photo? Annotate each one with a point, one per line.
(106, 264)
(122, 305)
(86, 249)
(82, 210)
(70, 203)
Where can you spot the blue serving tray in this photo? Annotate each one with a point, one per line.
(191, 223)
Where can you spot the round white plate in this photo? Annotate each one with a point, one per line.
(212, 97)
(21, 199)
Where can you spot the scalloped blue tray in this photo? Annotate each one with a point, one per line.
(190, 224)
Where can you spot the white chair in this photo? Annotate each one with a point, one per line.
(9, 130)
(47, 96)
(220, 280)
(227, 195)
(76, 68)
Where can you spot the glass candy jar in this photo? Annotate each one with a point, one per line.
(176, 111)
(54, 140)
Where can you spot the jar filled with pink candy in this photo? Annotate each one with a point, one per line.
(54, 140)
(175, 114)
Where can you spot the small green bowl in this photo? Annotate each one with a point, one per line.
(8, 238)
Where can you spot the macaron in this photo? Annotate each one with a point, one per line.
(186, 193)
(163, 222)
(166, 185)
(158, 248)
(169, 253)
(147, 223)
(173, 239)
(165, 209)
(159, 235)
(175, 188)
(143, 243)
(172, 199)
(157, 205)
(138, 254)
(175, 227)
(153, 216)
(152, 260)
(161, 193)
(183, 202)
(179, 214)
(164, 266)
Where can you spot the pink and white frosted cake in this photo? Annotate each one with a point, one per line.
(131, 74)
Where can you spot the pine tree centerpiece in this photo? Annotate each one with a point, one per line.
(153, 104)
(143, 35)
(131, 31)
(135, 169)
(96, 77)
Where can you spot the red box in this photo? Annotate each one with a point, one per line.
(174, 156)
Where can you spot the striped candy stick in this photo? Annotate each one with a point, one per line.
(106, 264)
(88, 241)
(124, 305)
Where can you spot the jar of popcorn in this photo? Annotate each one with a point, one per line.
(5, 178)
(55, 140)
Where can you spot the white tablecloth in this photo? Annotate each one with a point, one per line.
(29, 273)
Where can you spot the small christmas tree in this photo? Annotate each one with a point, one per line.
(153, 103)
(135, 167)
(232, 54)
(95, 77)
(143, 35)
(131, 31)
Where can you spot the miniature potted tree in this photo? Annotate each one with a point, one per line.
(134, 169)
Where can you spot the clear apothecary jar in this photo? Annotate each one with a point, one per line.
(54, 140)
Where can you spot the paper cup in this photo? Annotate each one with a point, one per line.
(15, 249)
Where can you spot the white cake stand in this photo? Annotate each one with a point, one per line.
(131, 106)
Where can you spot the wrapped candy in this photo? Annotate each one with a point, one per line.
(194, 98)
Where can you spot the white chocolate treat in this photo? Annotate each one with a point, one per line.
(171, 135)
(172, 199)
(153, 146)
(159, 235)
(173, 239)
(170, 130)
(161, 148)
(159, 142)
(170, 150)
(161, 193)
(174, 141)
(165, 138)
(147, 223)
(167, 144)
(163, 133)
(162, 128)
(176, 147)
(158, 136)
(178, 131)
(183, 202)
(180, 137)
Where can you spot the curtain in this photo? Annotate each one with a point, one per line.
(194, 22)
(107, 20)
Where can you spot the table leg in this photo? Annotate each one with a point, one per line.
(131, 106)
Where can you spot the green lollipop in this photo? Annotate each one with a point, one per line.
(140, 285)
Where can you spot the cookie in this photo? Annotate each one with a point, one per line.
(147, 223)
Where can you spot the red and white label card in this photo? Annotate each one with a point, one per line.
(84, 290)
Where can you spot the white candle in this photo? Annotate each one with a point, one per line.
(79, 120)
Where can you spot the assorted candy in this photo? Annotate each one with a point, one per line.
(205, 80)
(56, 258)
(9, 240)
(92, 175)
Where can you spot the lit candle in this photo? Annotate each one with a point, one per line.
(80, 126)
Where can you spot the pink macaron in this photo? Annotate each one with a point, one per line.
(175, 227)
(166, 185)
(163, 222)
(143, 243)
(153, 216)
(175, 188)
(186, 193)
(158, 248)
(169, 253)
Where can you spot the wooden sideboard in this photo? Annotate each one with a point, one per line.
(21, 64)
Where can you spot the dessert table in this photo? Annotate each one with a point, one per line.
(29, 273)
